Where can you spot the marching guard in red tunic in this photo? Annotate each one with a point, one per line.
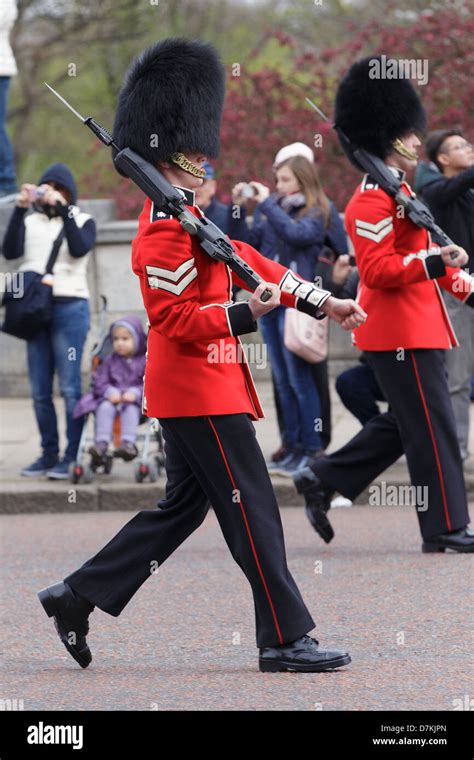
(407, 329)
(169, 112)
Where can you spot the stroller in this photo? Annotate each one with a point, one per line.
(147, 465)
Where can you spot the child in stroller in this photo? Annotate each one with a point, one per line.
(116, 395)
(117, 389)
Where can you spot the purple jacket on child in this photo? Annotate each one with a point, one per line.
(116, 372)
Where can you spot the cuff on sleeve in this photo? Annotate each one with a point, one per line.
(240, 319)
(309, 308)
(435, 266)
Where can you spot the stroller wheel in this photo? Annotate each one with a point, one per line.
(76, 472)
(141, 471)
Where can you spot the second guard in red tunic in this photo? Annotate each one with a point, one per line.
(406, 332)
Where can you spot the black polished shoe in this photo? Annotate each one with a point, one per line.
(303, 656)
(318, 501)
(70, 612)
(458, 541)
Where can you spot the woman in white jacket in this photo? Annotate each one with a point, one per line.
(8, 14)
(56, 349)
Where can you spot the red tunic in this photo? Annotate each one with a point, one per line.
(400, 279)
(187, 296)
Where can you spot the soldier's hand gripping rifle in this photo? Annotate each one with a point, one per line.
(171, 200)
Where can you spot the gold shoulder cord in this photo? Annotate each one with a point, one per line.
(184, 163)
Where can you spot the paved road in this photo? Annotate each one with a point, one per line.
(186, 640)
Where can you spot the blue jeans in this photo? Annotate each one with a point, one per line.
(460, 364)
(59, 348)
(299, 399)
(7, 164)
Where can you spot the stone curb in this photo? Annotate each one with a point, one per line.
(16, 498)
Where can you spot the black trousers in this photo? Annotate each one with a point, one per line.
(420, 424)
(213, 460)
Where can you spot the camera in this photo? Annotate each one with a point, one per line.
(248, 191)
(36, 193)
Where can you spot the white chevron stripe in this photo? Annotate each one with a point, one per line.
(412, 256)
(360, 224)
(171, 274)
(372, 236)
(154, 282)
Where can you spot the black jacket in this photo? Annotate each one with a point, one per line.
(452, 204)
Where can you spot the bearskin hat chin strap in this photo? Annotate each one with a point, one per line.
(402, 149)
(186, 165)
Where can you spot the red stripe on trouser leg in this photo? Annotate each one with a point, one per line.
(433, 440)
(254, 551)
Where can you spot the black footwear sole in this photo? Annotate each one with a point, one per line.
(50, 607)
(428, 548)
(320, 523)
(280, 666)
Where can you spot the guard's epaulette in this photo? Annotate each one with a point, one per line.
(368, 184)
(189, 198)
(156, 215)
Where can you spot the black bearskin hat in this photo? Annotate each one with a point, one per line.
(373, 112)
(171, 101)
